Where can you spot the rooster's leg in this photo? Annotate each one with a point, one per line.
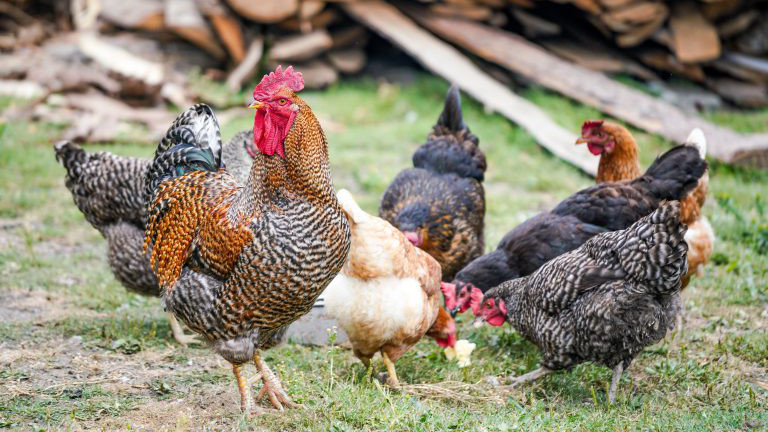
(271, 386)
(392, 380)
(530, 376)
(178, 333)
(617, 371)
(242, 386)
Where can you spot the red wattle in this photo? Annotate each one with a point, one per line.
(594, 148)
(269, 131)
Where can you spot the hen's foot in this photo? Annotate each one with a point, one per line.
(617, 371)
(271, 386)
(242, 386)
(391, 376)
(178, 333)
(527, 378)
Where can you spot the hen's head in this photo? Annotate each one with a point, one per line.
(493, 311)
(277, 105)
(596, 137)
(413, 222)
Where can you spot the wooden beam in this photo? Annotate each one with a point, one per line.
(448, 62)
(593, 88)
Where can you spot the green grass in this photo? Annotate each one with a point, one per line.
(711, 377)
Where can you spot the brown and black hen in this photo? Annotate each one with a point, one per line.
(603, 302)
(439, 204)
(600, 208)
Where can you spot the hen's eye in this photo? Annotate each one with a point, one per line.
(282, 101)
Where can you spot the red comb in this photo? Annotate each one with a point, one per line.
(591, 124)
(276, 80)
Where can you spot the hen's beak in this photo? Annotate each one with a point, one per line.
(256, 105)
(478, 322)
(454, 311)
(581, 141)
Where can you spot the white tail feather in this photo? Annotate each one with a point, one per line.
(350, 207)
(697, 139)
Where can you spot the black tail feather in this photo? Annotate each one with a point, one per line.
(674, 174)
(452, 118)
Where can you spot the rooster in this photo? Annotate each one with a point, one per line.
(603, 302)
(604, 207)
(265, 249)
(109, 190)
(387, 296)
(617, 149)
(439, 204)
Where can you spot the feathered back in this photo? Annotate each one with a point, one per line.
(354, 213)
(451, 147)
(674, 174)
(652, 251)
(193, 142)
(106, 187)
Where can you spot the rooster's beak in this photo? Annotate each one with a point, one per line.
(256, 105)
(581, 141)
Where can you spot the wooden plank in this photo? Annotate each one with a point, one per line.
(265, 11)
(694, 39)
(591, 88)
(452, 65)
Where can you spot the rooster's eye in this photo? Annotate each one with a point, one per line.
(282, 101)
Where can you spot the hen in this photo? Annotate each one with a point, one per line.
(387, 296)
(264, 250)
(439, 204)
(109, 190)
(603, 302)
(618, 162)
(600, 208)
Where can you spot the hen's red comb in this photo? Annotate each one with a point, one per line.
(591, 124)
(276, 80)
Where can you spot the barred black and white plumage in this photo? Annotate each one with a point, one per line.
(603, 302)
(110, 192)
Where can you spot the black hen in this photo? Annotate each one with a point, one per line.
(603, 207)
(439, 204)
(603, 302)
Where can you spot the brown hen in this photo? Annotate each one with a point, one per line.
(618, 162)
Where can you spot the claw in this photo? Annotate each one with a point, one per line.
(178, 333)
(271, 386)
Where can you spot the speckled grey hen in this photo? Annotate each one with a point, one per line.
(109, 190)
(439, 204)
(266, 249)
(603, 302)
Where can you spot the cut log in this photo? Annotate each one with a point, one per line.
(185, 19)
(247, 68)
(640, 34)
(666, 61)
(448, 62)
(597, 57)
(301, 47)
(265, 11)
(350, 36)
(478, 13)
(639, 13)
(534, 26)
(319, 21)
(310, 8)
(227, 27)
(750, 95)
(137, 14)
(21, 89)
(317, 74)
(591, 88)
(694, 39)
(347, 61)
(736, 25)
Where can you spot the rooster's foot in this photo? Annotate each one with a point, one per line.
(271, 386)
(527, 378)
(178, 333)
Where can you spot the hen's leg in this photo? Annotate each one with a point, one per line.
(529, 377)
(271, 386)
(617, 371)
(392, 380)
(242, 386)
(178, 333)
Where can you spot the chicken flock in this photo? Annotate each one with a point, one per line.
(239, 239)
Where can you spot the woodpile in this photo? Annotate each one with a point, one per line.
(142, 52)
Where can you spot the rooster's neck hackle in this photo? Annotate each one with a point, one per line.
(304, 171)
(621, 163)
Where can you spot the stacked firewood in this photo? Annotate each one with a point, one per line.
(139, 53)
